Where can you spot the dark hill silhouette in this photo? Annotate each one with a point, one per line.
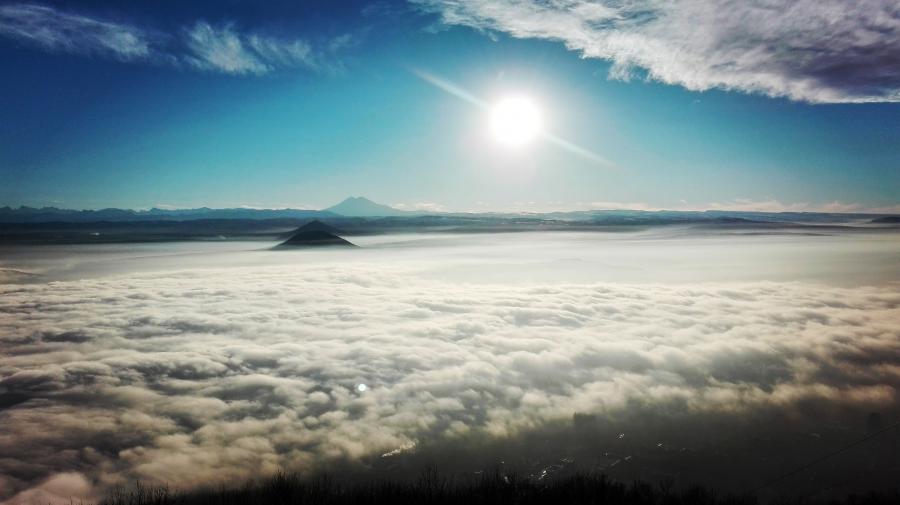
(492, 487)
(316, 234)
(316, 225)
(315, 239)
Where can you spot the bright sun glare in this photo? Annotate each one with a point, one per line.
(515, 121)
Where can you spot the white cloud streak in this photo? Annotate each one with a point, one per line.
(225, 50)
(420, 206)
(736, 205)
(809, 50)
(57, 31)
(203, 46)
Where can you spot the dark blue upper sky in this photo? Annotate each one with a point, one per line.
(273, 104)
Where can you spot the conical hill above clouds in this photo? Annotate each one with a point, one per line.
(316, 234)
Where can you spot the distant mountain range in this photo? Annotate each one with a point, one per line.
(52, 214)
(363, 208)
(351, 207)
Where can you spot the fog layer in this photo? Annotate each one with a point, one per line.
(196, 364)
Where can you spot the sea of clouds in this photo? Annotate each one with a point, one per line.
(192, 375)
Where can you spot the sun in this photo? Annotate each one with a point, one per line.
(515, 121)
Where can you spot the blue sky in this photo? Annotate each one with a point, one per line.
(269, 104)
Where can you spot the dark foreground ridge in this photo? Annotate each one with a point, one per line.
(315, 234)
(431, 488)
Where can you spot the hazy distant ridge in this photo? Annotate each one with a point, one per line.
(53, 214)
(361, 207)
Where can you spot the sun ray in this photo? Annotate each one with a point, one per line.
(449, 87)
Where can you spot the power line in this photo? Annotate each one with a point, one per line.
(824, 457)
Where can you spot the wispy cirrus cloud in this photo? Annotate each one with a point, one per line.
(821, 51)
(225, 49)
(57, 31)
(203, 46)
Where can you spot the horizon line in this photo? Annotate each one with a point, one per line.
(887, 210)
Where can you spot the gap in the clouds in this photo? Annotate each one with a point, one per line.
(665, 447)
